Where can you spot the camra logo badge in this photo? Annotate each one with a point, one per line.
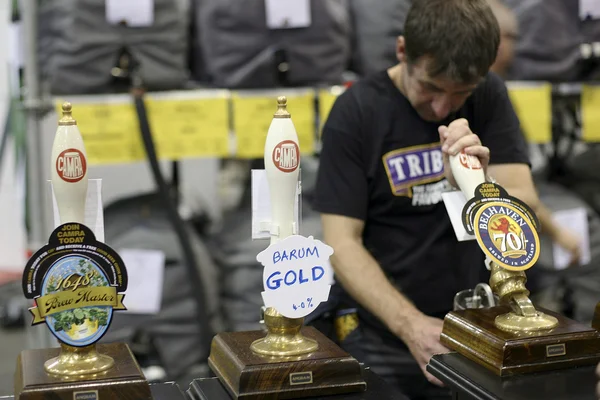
(286, 156)
(469, 161)
(76, 285)
(506, 235)
(71, 165)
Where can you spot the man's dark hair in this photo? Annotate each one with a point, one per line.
(460, 36)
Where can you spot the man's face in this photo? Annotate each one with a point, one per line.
(434, 98)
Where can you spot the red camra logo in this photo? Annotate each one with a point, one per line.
(286, 156)
(469, 161)
(71, 165)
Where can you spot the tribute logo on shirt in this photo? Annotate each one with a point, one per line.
(409, 168)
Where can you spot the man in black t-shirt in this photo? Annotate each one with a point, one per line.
(383, 167)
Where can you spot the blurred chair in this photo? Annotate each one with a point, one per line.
(574, 291)
(554, 43)
(239, 50)
(174, 336)
(377, 25)
(78, 48)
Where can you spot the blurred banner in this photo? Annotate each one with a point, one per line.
(590, 113)
(220, 123)
(533, 104)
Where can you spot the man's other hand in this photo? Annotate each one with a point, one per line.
(571, 243)
(423, 341)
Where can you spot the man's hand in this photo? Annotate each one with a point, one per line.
(423, 341)
(457, 137)
(358, 272)
(571, 243)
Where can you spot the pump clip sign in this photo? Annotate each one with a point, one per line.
(297, 275)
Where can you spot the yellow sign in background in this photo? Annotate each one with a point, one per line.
(109, 130)
(189, 128)
(590, 113)
(252, 116)
(191, 124)
(180, 128)
(533, 105)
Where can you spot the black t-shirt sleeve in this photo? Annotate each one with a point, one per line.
(341, 186)
(501, 130)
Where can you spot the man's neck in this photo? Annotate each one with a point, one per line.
(396, 74)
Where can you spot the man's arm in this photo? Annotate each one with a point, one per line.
(517, 180)
(342, 198)
(359, 273)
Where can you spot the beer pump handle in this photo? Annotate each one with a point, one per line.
(69, 169)
(282, 159)
(468, 173)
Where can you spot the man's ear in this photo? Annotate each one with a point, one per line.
(400, 49)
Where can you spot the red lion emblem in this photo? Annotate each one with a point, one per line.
(503, 225)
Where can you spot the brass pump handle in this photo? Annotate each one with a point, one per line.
(510, 288)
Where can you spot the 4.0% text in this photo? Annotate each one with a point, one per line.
(305, 304)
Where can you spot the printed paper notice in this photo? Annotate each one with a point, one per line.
(576, 221)
(145, 270)
(134, 13)
(589, 9)
(261, 206)
(287, 14)
(455, 202)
